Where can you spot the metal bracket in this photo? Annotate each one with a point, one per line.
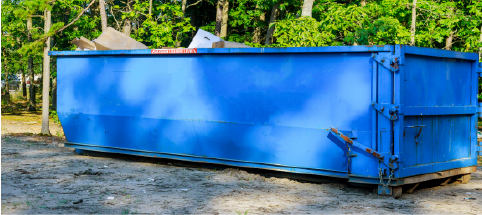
(419, 132)
(382, 190)
(389, 110)
(391, 161)
(389, 63)
(480, 69)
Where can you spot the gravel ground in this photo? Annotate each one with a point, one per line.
(39, 175)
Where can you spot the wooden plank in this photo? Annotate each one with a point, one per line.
(438, 175)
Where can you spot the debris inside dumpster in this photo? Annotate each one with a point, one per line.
(204, 39)
(227, 44)
(110, 39)
(84, 44)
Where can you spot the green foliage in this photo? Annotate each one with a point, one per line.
(385, 30)
(165, 30)
(301, 32)
(54, 117)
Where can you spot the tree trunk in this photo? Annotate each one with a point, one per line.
(219, 18)
(54, 93)
(450, 38)
(31, 99)
(103, 16)
(272, 19)
(414, 22)
(448, 41)
(7, 86)
(24, 84)
(6, 96)
(46, 75)
(127, 27)
(480, 41)
(307, 8)
(150, 7)
(363, 3)
(224, 25)
(257, 30)
(184, 2)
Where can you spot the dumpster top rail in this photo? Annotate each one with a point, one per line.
(327, 49)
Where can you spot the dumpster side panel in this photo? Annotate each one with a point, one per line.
(269, 109)
(438, 94)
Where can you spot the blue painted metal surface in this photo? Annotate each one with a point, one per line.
(272, 108)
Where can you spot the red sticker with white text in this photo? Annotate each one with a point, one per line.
(174, 51)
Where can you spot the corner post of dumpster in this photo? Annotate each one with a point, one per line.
(478, 145)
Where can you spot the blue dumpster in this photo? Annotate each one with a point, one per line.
(387, 115)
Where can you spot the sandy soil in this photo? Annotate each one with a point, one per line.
(39, 175)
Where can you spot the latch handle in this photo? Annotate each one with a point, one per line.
(391, 161)
(419, 132)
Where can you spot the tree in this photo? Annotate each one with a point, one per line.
(127, 21)
(6, 96)
(103, 17)
(414, 23)
(258, 28)
(31, 99)
(307, 8)
(219, 18)
(224, 22)
(272, 19)
(46, 75)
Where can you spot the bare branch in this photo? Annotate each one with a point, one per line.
(194, 4)
(118, 26)
(63, 28)
(77, 18)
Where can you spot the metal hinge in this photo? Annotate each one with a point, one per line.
(390, 63)
(391, 161)
(388, 110)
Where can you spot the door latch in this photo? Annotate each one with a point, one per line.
(388, 110)
(389, 63)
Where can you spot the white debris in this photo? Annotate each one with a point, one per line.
(203, 39)
(110, 198)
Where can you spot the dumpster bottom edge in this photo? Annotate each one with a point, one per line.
(188, 158)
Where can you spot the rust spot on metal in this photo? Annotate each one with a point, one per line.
(380, 46)
(345, 138)
(404, 133)
(394, 64)
(369, 46)
(374, 153)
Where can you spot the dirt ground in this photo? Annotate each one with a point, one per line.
(40, 176)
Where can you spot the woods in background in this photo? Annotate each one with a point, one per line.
(30, 28)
